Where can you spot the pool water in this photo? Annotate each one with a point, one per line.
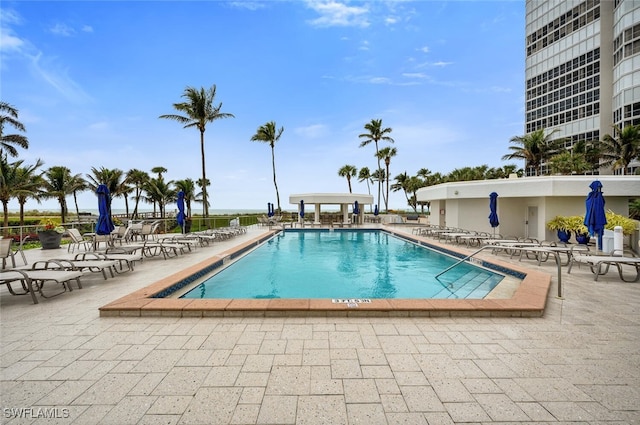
(345, 264)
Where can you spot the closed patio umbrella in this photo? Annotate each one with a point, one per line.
(269, 213)
(595, 218)
(302, 209)
(493, 208)
(104, 226)
(375, 210)
(180, 216)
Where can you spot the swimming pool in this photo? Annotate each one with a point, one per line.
(344, 264)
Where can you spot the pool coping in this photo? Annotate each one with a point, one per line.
(528, 300)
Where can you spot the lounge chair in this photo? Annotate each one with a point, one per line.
(78, 241)
(596, 262)
(33, 279)
(90, 265)
(125, 260)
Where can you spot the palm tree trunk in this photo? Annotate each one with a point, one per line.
(273, 165)
(5, 209)
(349, 181)
(75, 201)
(22, 212)
(379, 182)
(386, 201)
(205, 204)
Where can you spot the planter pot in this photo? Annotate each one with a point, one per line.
(564, 236)
(583, 238)
(50, 239)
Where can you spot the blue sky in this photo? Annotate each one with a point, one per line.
(91, 78)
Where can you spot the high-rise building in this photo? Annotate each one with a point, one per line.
(582, 69)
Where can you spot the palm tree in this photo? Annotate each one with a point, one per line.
(78, 184)
(365, 175)
(159, 170)
(112, 178)
(30, 182)
(535, 148)
(57, 185)
(188, 186)
(17, 181)
(268, 134)
(199, 110)
(387, 153)
(621, 148)
(137, 178)
(401, 183)
(348, 171)
(160, 192)
(9, 115)
(376, 134)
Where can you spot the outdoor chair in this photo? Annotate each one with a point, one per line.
(78, 241)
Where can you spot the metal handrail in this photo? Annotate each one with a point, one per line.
(539, 249)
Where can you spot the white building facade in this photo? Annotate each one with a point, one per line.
(582, 69)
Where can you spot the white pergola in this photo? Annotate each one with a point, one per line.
(341, 199)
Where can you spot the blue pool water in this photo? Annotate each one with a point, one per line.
(345, 264)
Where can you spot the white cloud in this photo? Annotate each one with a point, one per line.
(424, 49)
(333, 13)
(87, 28)
(62, 29)
(313, 131)
(249, 5)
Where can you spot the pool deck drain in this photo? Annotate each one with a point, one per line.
(528, 299)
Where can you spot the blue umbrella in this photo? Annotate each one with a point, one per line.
(180, 217)
(301, 209)
(104, 226)
(595, 217)
(375, 210)
(356, 208)
(269, 213)
(493, 207)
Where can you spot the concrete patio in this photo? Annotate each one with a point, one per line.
(580, 363)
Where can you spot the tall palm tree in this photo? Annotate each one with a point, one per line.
(201, 184)
(402, 181)
(188, 186)
(137, 178)
(268, 134)
(78, 184)
(387, 153)
(9, 115)
(198, 110)
(348, 171)
(365, 175)
(534, 148)
(621, 148)
(376, 134)
(57, 185)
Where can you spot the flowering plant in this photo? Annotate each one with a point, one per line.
(48, 224)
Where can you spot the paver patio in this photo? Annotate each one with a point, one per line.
(580, 363)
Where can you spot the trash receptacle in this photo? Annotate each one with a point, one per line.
(607, 241)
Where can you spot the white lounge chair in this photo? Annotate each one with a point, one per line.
(596, 262)
(33, 279)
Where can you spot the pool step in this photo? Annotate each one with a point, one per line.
(471, 284)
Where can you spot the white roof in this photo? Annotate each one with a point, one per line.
(331, 198)
(532, 187)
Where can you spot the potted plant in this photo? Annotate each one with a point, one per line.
(50, 234)
(562, 225)
(576, 224)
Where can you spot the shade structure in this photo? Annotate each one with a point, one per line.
(493, 210)
(375, 210)
(180, 217)
(104, 226)
(301, 209)
(595, 218)
(356, 208)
